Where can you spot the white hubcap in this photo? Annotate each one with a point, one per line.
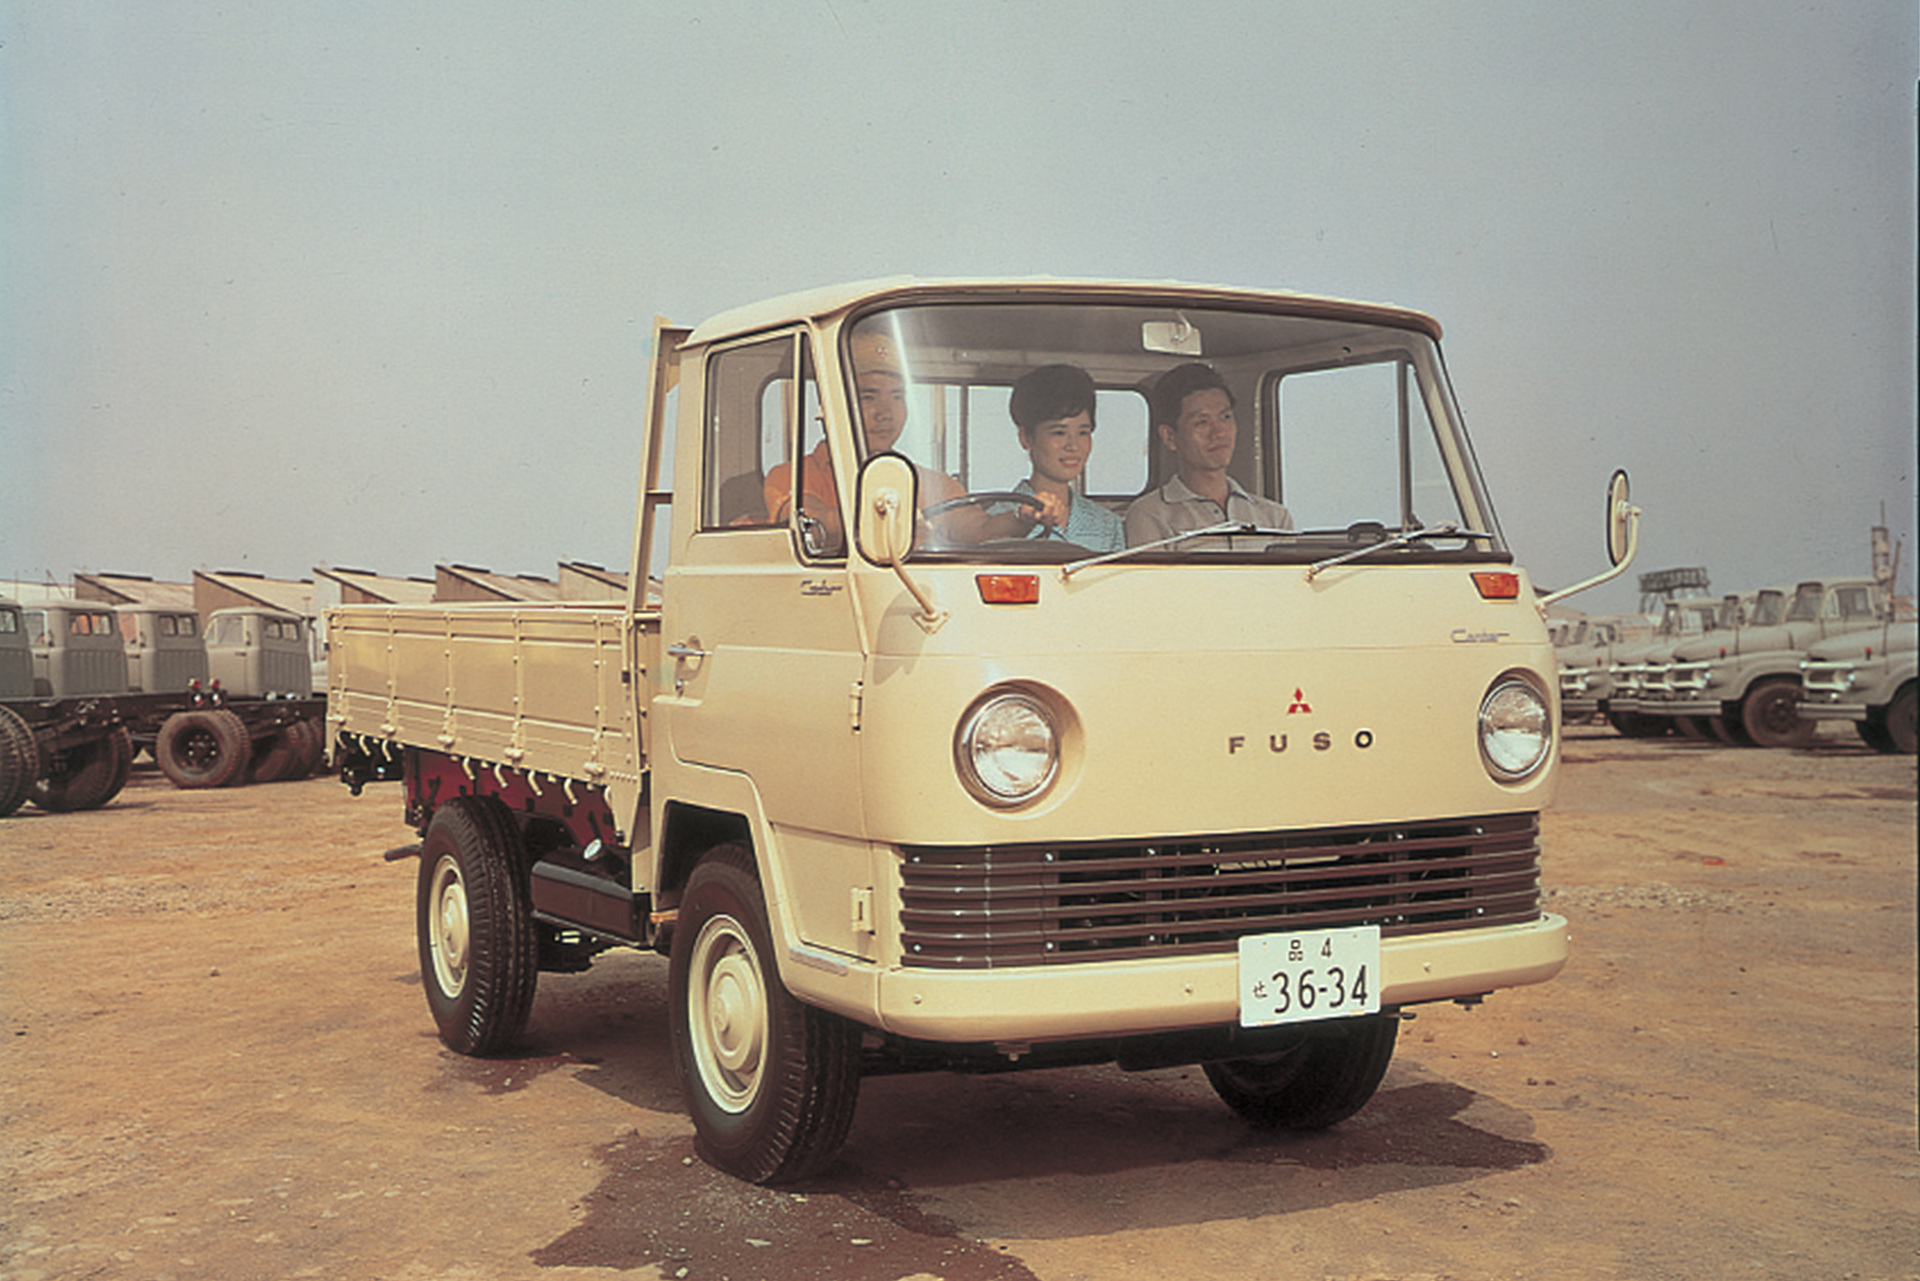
(727, 1011)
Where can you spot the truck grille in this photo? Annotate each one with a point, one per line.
(981, 907)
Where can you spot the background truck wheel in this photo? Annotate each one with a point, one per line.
(1899, 725)
(1693, 728)
(479, 950)
(19, 761)
(1770, 714)
(771, 1083)
(202, 748)
(1318, 1084)
(313, 748)
(274, 756)
(87, 776)
(1638, 724)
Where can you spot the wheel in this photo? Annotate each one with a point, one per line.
(19, 761)
(313, 748)
(984, 498)
(202, 748)
(1693, 728)
(1728, 731)
(1770, 714)
(1638, 724)
(771, 1083)
(87, 776)
(275, 756)
(1873, 732)
(479, 948)
(1319, 1083)
(1900, 717)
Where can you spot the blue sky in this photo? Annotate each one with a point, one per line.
(364, 284)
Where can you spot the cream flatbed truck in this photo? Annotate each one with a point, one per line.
(893, 794)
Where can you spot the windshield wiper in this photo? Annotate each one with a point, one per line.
(1224, 527)
(1447, 529)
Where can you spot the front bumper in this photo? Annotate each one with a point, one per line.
(1123, 998)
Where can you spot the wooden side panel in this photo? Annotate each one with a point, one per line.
(538, 687)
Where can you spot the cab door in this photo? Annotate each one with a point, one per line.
(762, 661)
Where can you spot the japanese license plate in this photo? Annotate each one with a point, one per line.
(1313, 974)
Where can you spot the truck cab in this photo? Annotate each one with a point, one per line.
(77, 650)
(165, 651)
(259, 653)
(16, 656)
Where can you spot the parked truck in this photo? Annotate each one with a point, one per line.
(98, 684)
(1745, 682)
(894, 789)
(1867, 677)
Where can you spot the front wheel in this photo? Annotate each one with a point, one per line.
(206, 747)
(771, 1083)
(1900, 719)
(479, 948)
(1320, 1082)
(1770, 714)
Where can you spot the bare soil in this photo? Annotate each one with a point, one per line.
(215, 1062)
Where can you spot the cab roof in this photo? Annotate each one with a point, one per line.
(828, 300)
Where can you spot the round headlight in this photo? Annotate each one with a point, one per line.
(1006, 749)
(1516, 728)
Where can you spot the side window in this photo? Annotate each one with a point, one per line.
(9, 621)
(229, 630)
(749, 431)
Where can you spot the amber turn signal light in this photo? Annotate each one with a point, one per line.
(1497, 585)
(1009, 589)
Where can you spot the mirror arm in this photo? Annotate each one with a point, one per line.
(931, 618)
(1633, 545)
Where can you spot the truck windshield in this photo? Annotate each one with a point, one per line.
(1056, 430)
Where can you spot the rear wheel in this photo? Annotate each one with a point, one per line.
(275, 755)
(87, 776)
(19, 761)
(1693, 728)
(202, 748)
(479, 948)
(1770, 714)
(771, 1083)
(1320, 1082)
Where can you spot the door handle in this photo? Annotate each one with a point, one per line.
(689, 648)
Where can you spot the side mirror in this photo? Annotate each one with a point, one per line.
(1623, 539)
(1620, 520)
(886, 519)
(887, 499)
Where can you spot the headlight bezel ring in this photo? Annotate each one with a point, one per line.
(997, 721)
(1515, 706)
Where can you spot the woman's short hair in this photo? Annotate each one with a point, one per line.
(1049, 393)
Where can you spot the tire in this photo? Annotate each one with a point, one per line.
(1900, 718)
(19, 761)
(1320, 1083)
(88, 776)
(771, 1083)
(275, 755)
(1638, 725)
(1770, 714)
(1728, 731)
(203, 748)
(1693, 728)
(313, 748)
(479, 948)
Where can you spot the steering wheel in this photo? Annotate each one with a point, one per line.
(984, 498)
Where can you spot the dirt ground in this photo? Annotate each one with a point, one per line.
(217, 1063)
